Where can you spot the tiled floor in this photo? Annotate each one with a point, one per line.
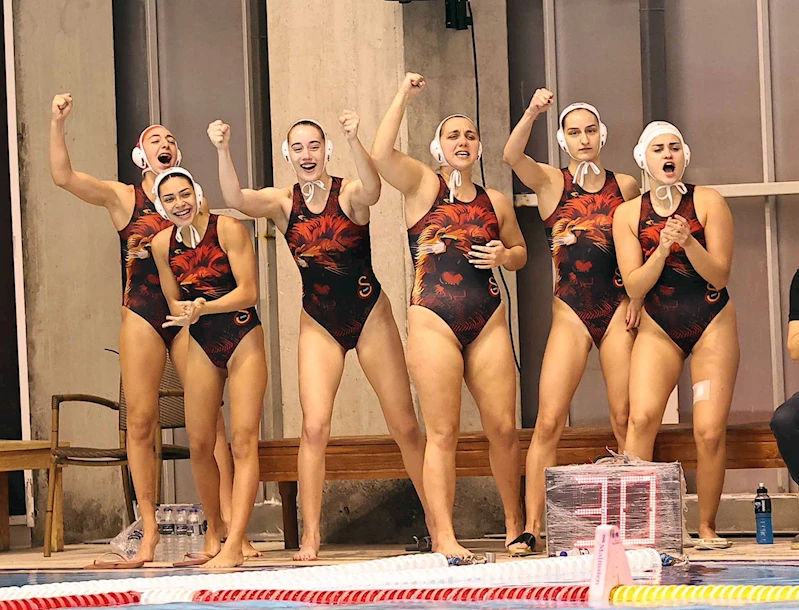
(80, 555)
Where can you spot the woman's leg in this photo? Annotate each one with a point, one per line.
(490, 374)
(615, 351)
(247, 385)
(714, 366)
(435, 363)
(383, 361)
(224, 460)
(655, 367)
(565, 356)
(202, 391)
(142, 356)
(321, 364)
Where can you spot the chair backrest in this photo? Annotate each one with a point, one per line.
(172, 413)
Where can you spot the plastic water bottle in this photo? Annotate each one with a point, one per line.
(196, 534)
(203, 520)
(167, 530)
(765, 535)
(183, 543)
(134, 539)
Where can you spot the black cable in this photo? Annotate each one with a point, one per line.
(482, 174)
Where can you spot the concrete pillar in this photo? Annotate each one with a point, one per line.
(327, 56)
(72, 270)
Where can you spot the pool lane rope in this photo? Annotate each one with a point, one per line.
(691, 593)
(428, 571)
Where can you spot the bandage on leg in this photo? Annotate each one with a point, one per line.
(701, 390)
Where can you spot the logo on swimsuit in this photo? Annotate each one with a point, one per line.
(493, 289)
(366, 289)
(618, 282)
(712, 294)
(443, 248)
(322, 242)
(242, 317)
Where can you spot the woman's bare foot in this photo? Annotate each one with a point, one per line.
(229, 557)
(213, 543)
(248, 550)
(147, 549)
(309, 549)
(450, 548)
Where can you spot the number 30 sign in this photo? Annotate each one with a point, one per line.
(643, 499)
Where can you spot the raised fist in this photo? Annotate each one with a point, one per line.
(219, 134)
(542, 101)
(350, 121)
(62, 106)
(413, 83)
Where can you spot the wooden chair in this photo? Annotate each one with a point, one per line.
(170, 416)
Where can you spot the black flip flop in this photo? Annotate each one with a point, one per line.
(528, 540)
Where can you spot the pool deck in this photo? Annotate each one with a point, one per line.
(77, 556)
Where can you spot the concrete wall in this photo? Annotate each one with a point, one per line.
(352, 59)
(356, 64)
(359, 63)
(72, 274)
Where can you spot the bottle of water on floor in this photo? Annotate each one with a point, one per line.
(167, 530)
(765, 535)
(196, 534)
(183, 543)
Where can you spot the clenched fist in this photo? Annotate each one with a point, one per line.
(219, 134)
(350, 121)
(542, 101)
(62, 106)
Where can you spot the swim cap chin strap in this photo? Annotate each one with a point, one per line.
(308, 189)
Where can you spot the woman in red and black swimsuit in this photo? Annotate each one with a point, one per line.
(326, 224)
(142, 340)
(206, 264)
(674, 245)
(590, 307)
(458, 232)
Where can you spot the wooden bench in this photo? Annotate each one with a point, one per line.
(26, 455)
(378, 457)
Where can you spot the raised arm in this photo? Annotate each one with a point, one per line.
(266, 203)
(714, 261)
(235, 241)
(793, 319)
(537, 176)
(366, 190)
(510, 250)
(401, 171)
(107, 194)
(639, 277)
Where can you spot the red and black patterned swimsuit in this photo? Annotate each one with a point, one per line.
(334, 255)
(682, 302)
(205, 272)
(587, 277)
(446, 282)
(141, 288)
